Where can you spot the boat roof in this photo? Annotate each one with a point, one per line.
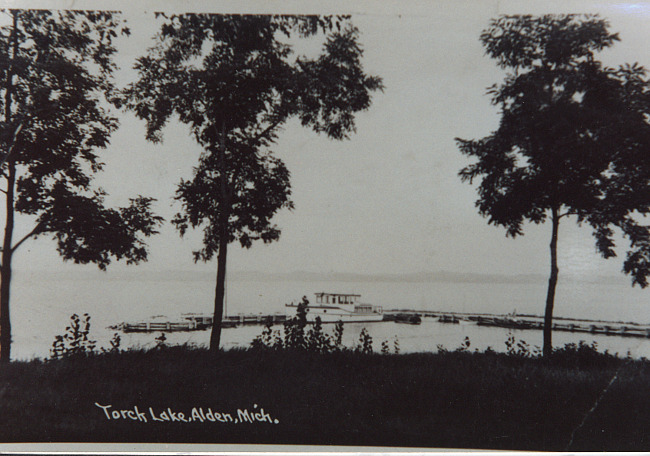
(336, 294)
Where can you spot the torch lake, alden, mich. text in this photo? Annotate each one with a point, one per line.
(196, 414)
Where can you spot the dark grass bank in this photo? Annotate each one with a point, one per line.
(468, 400)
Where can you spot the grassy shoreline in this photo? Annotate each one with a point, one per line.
(453, 399)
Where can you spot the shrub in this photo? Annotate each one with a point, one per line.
(316, 340)
(582, 355)
(365, 342)
(115, 342)
(264, 340)
(294, 328)
(75, 341)
(297, 338)
(465, 345)
(161, 341)
(521, 348)
(338, 335)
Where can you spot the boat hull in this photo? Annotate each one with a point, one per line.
(334, 316)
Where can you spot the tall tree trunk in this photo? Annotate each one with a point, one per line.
(552, 282)
(7, 252)
(5, 269)
(215, 336)
(224, 215)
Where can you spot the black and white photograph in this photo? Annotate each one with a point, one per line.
(371, 226)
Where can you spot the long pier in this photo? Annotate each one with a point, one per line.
(198, 322)
(534, 322)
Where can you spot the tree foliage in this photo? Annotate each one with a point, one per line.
(573, 139)
(240, 74)
(257, 186)
(56, 75)
(235, 81)
(55, 80)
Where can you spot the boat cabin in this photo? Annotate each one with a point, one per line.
(367, 308)
(337, 298)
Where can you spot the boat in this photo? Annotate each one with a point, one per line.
(335, 307)
(453, 319)
(507, 322)
(411, 319)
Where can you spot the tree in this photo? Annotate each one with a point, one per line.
(55, 75)
(236, 81)
(573, 139)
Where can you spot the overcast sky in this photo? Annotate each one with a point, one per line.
(389, 199)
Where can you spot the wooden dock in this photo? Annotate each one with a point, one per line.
(201, 322)
(605, 328)
(255, 319)
(198, 322)
(534, 322)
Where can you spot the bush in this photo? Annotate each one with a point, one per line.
(465, 345)
(294, 328)
(296, 337)
(521, 348)
(266, 339)
(338, 335)
(582, 355)
(365, 342)
(316, 340)
(75, 341)
(115, 342)
(161, 341)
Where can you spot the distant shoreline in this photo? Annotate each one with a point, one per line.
(306, 276)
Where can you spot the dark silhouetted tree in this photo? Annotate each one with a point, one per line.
(573, 139)
(235, 81)
(55, 75)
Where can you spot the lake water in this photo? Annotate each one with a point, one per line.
(43, 304)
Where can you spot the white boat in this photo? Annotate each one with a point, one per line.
(335, 307)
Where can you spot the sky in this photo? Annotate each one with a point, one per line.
(388, 200)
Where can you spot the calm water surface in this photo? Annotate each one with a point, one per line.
(41, 308)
